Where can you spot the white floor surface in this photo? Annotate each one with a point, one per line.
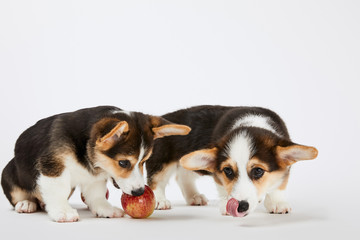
(309, 220)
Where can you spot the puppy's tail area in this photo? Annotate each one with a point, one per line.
(7, 179)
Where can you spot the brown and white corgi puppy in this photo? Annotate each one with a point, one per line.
(247, 150)
(83, 148)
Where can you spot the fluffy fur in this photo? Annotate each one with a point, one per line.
(247, 150)
(83, 148)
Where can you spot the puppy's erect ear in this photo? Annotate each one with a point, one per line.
(200, 160)
(108, 140)
(293, 153)
(162, 128)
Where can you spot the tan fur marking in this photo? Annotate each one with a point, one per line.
(170, 129)
(291, 154)
(228, 185)
(226, 182)
(141, 164)
(17, 195)
(187, 160)
(159, 176)
(148, 155)
(155, 121)
(255, 162)
(131, 158)
(106, 142)
(267, 180)
(217, 180)
(112, 166)
(285, 182)
(117, 130)
(36, 194)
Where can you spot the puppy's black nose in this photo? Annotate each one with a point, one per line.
(138, 192)
(243, 206)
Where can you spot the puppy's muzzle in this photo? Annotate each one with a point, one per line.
(138, 192)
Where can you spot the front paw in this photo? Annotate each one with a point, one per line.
(105, 210)
(25, 206)
(198, 200)
(281, 207)
(163, 204)
(64, 215)
(222, 206)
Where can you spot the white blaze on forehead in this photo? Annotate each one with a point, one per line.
(121, 111)
(253, 120)
(240, 150)
(142, 151)
(136, 178)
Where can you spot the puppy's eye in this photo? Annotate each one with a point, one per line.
(124, 163)
(228, 172)
(257, 173)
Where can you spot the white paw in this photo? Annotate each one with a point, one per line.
(25, 206)
(277, 207)
(198, 200)
(222, 207)
(105, 210)
(64, 215)
(163, 204)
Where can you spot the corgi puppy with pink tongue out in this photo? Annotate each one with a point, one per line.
(247, 150)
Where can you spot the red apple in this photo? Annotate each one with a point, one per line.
(139, 206)
(106, 195)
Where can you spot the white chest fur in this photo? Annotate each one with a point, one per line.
(79, 175)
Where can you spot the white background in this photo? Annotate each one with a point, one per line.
(299, 58)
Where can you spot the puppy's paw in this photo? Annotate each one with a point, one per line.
(222, 207)
(64, 215)
(277, 207)
(107, 211)
(163, 204)
(25, 206)
(198, 200)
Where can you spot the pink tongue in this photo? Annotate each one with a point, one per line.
(232, 206)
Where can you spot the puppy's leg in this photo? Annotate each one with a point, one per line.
(26, 206)
(157, 182)
(276, 201)
(94, 194)
(186, 180)
(223, 199)
(55, 192)
(21, 199)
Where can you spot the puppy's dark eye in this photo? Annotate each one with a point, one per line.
(124, 163)
(228, 172)
(257, 173)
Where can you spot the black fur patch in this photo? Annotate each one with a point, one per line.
(41, 148)
(211, 127)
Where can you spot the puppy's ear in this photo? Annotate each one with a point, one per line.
(110, 138)
(162, 128)
(290, 154)
(200, 160)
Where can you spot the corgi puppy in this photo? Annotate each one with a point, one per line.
(83, 148)
(247, 150)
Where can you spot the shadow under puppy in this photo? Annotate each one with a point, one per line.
(83, 148)
(247, 150)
